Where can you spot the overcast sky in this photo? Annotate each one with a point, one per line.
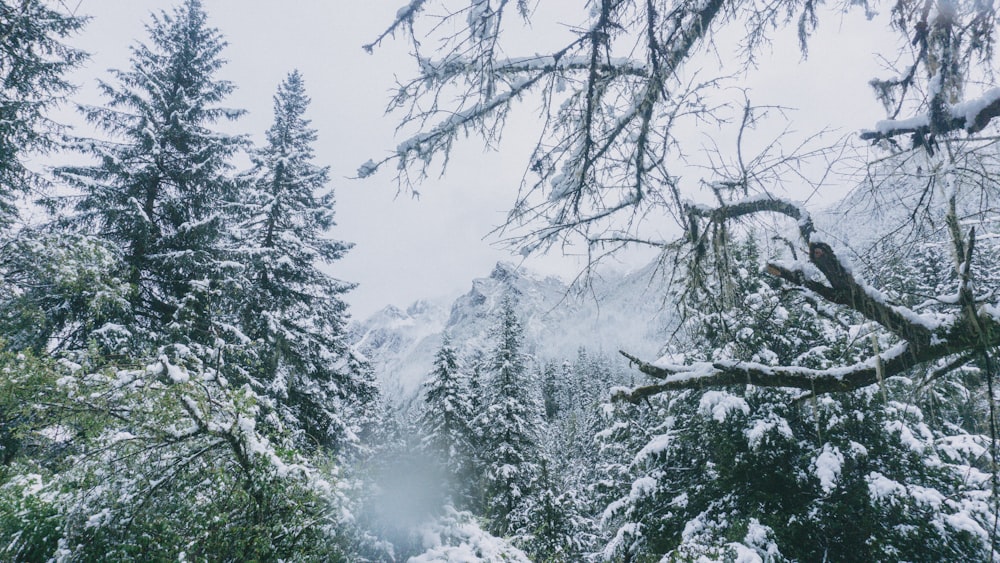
(407, 248)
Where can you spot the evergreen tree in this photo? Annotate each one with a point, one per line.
(553, 523)
(551, 389)
(510, 424)
(475, 362)
(625, 429)
(62, 290)
(33, 62)
(779, 475)
(290, 307)
(153, 463)
(160, 187)
(477, 393)
(163, 456)
(445, 423)
(562, 520)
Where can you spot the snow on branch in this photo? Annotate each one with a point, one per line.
(722, 373)
(957, 339)
(404, 17)
(481, 86)
(920, 339)
(842, 288)
(560, 62)
(845, 290)
(972, 116)
(424, 145)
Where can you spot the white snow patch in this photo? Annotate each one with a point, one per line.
(720, 403)
(57, 433)
(97, 519)
(858, 450)
(881, 487)
(924, 495)
(654, 446)
(970, 109)
(827, 467)
(456, 537)
(905, 435)
(642, 487)
(744, 554)
(963, 445)
(761, 427)
(964, 522)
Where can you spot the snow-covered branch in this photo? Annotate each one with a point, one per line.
(919, 338)
(957, 339)
(845, 290)
(404, 17)
(972, 116)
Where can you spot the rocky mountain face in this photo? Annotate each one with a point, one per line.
(613, 312)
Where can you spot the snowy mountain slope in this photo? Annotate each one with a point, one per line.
(616, 312)
(395, 339)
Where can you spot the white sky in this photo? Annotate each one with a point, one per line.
(405, 248)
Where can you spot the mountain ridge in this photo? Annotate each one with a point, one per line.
(617, 311)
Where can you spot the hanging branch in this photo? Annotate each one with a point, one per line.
(921, 341)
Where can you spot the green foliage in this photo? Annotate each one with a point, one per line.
(63, 292)
(446, 426)
(556, 529)
(775, 474)
(843, 478)
(34, 59)
(509, 426)
(149, 464)
(160, 183)
(167, 436)
(212, 404)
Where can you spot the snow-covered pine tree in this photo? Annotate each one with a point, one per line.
(153, 463)
(445, 424)
(475, 361)
(556, 531)
(625, 428)
(33, 62)
(161, 450)
(775, 474)
(160, 188)
(510, 424)
(551, 389)
(59, 289)
(290, 307)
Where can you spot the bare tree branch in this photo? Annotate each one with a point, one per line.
(404, 17)
(752, 206)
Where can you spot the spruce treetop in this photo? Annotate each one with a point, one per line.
(160, 188)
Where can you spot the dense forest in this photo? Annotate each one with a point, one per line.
(179, 380)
